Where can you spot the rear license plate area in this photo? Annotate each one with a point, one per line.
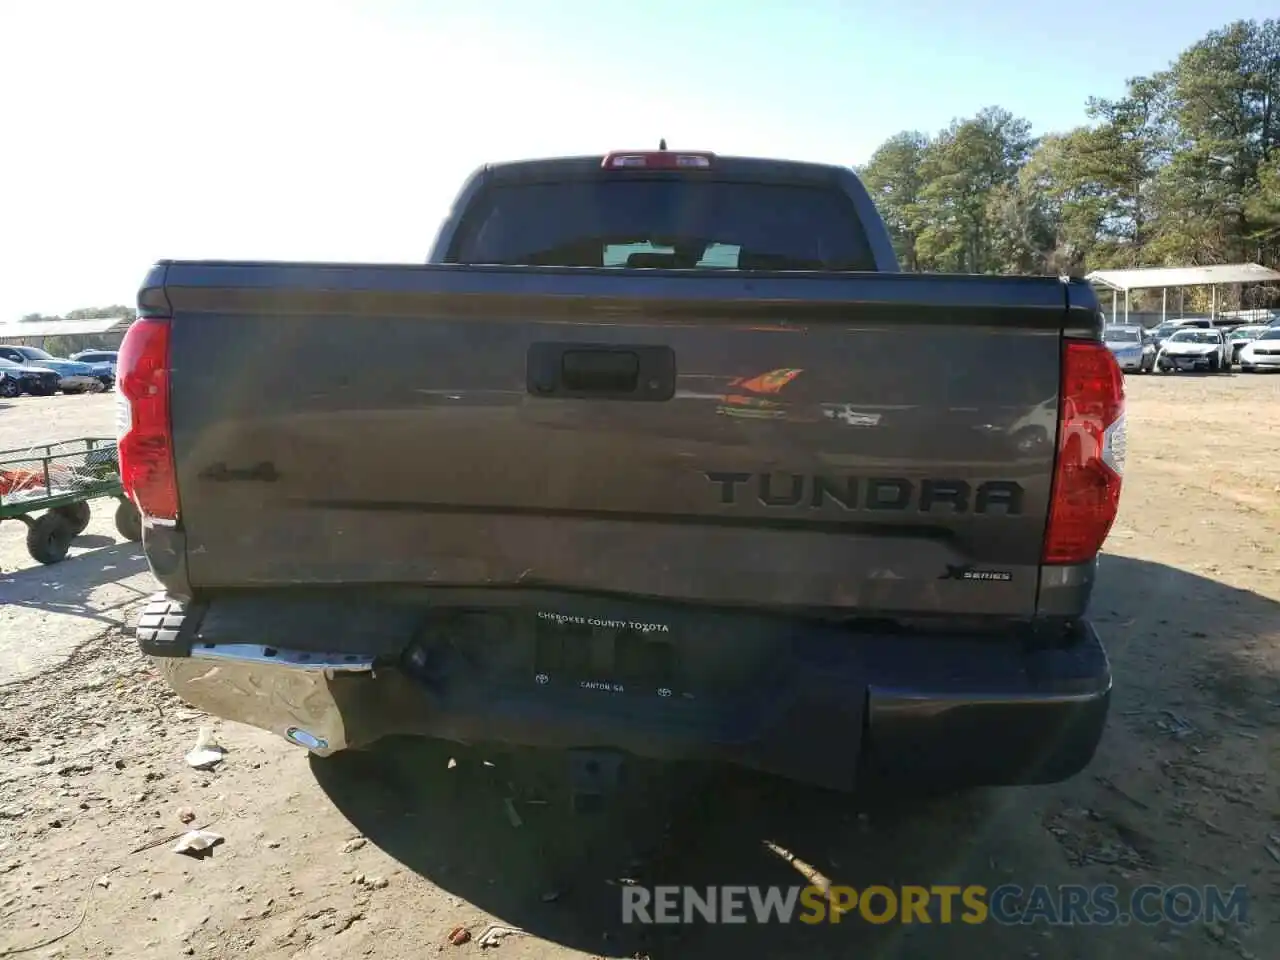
(608, 657)
(630, 652)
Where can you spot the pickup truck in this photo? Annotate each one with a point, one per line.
(659, 455)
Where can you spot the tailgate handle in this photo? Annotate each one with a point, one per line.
(630, 372)
(600, 371)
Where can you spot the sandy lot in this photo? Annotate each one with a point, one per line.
(384, 854)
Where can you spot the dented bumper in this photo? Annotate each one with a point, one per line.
(926, 709)
(284, 692)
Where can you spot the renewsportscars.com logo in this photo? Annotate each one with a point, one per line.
(1008, 904)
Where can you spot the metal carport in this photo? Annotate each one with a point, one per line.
(1162, 278)
(21, 332)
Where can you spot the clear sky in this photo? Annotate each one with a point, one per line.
(135, 130)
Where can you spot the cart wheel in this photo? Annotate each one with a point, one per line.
(128, 521)
(77, 514)
(49, 537)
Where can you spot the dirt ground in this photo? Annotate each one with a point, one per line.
(384, 854)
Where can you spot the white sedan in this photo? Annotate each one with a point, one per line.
(1240, 336)
(1262, 353)
(1195, 348)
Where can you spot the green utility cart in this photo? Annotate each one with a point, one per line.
(57, 481)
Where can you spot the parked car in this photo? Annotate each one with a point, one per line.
(1262, 353)
(20, 378)
(1131, 349)
(1156, 336)
(73, 377)
(1240, 336)
(102, 361)
(1194, 349)
(508, 531)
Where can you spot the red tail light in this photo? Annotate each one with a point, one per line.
(146, 440)
(1091, 450)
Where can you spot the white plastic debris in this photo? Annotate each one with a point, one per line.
(494, 933)
(197, 842)
(206, 754)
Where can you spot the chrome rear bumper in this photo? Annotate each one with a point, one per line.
(942, 710)
(284, 691)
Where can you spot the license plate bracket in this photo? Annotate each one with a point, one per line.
(606, 657)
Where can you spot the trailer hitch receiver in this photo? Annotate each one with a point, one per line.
(594, 775)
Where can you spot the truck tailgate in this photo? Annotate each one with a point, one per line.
(871, 443)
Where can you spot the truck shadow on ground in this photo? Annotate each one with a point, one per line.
(69, 587)
(561, 876)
